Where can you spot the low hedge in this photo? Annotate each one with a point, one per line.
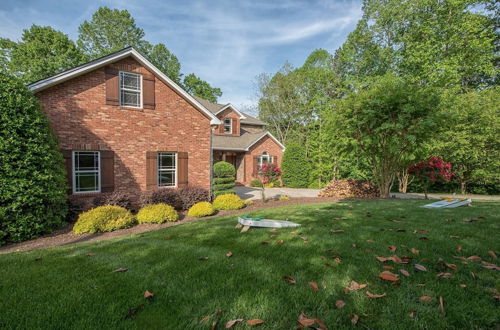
(201, 209)
(224, 192)
(224, 186)
(223, 180)
(228, 202)
(102, 219)
(157, 213)
(256, 183)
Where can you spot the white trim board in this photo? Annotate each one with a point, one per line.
(103, 61)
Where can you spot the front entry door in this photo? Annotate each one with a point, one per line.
(231, 160)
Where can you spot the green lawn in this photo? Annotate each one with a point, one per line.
(63, 288)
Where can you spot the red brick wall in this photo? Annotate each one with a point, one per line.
(81, 119)
(266, 144)
(228, 113)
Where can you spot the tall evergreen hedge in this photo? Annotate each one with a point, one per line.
(295, 166)
(32, 177)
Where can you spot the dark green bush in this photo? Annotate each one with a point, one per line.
(256, 183)
(296, 168)
(223, 179)
(224, 169)
(32, 175)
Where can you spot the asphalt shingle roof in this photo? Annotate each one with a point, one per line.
(241, 142)
(215, 107)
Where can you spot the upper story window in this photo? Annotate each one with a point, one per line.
(86, 171)
(228, 125)
(130, 89)
(167, 169)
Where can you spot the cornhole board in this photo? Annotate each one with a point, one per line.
(444, 204)
(266, 223)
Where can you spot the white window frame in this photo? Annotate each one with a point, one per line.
(230, 125)
(265, 154)
(74, 172)
(121, 73)
(158, 170)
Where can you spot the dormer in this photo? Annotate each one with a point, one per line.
(230, 118)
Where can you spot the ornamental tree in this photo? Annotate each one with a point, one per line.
(431, 170)
(268, 173)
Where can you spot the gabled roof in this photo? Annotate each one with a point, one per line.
(217, 108)
(241, 143)
(40, 85)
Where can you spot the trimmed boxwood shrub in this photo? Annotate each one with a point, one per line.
(201, 209)
(33, 189)
(256, 183)
(295, 167)
(191, 195)
(223, 181)
(164, 195)
(157, 213)
(102, 219)
(228, 202)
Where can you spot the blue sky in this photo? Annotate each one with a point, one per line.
(226, 42)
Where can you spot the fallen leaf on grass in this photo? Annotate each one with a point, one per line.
(294, 233)
(90, 254)
(148, 295)
(255, 322)
(132, 311)
(214, 325)
(355, 319)
(340, 304)
(454, 236)
(313, 285)
(203, 258)
(392, 248)
(415, 251)
(370, 241)
(463, 286)
(492, 267)
(337, 260)
(445, 275)
(458, 248)
(474, 258)
(388, 267)
(120, 270)
(167, 238)
(355, 286)
(420, 267)
(441, 304)
(232, 322)
(273, 236)
(425, 298)
(328, 265)
(280, 241)
(496, 297)
(451, 266)
(305, 321)
(229, 254)
(404, 272)
(289, 279)
(412, 314)
(337, 230)
(492, 254)
(388, 276)
(374, 296)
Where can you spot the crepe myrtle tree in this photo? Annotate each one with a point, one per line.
(267, 173)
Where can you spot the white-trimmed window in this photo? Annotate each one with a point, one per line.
(86, 171)
(130, 89)
(228, 125)
(265, 159)
(167, 169)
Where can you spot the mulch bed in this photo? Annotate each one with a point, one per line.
(65, 235)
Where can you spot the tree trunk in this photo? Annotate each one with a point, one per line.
(404, 180)
(463, 187)
(263, 193)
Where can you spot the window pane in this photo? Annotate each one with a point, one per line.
(166, 178)
(86, 161)
(166, 161)
(131, 98)
(86, 182)
(131, 81)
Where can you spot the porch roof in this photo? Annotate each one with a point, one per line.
(240, 143)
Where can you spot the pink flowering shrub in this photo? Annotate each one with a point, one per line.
(269, 173)
(431, 170)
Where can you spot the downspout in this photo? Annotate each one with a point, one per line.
(211, 158)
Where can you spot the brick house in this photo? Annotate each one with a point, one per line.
(122, 124)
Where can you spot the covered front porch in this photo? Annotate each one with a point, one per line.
(237, 159)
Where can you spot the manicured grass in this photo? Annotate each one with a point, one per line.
(64, 288)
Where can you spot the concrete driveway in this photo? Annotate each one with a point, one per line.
(255, 193)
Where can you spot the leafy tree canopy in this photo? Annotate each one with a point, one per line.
(198, 87)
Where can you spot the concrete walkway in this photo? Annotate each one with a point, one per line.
(255, 193)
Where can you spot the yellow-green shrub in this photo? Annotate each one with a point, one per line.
(248, 202)
(284, 198)
(201, 209)
(103, 218)
(228, 202)
(157, 213)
